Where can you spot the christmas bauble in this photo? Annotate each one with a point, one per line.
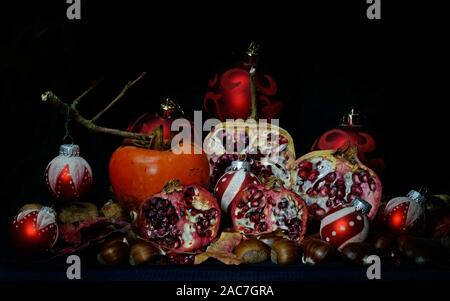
(346, 224)
(34, 231)
(406, 214)
(233, 182)
(68, 176)
(350, 132)
(229, 97)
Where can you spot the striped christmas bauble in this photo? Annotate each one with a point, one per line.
(344, 225)
(231, 184)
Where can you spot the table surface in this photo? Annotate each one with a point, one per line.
(13, 268)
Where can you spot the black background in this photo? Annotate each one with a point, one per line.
(326, 57)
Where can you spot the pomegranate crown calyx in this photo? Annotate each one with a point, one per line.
(350, 153)
(171, 109)
(173, 186)
(273, 183)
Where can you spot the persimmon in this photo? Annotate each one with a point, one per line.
(138, 173)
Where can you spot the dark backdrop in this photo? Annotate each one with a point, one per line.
(325, 58)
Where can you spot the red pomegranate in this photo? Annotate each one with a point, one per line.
(348, 133)
(180, 218)
(148, 122)
(264, 208)
(268, 148)
(329, 178)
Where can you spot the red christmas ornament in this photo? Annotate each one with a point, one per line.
(34, 231)
(68, 176)
(230, 185)
(406, 214)
(350, 133)
(346, 224)
(229, 93)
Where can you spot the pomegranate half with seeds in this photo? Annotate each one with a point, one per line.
(264, 208)
(329, 178)
(180, 218)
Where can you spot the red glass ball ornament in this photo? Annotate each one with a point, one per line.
(68, 176)
(350, 132)
(346, 224)
(236, 179)
(34, 231)
(406, 214)
(229, 96)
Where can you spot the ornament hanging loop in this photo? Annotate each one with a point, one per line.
(67, 137)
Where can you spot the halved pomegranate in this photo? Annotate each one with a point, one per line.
(329, 178)
(264, 208)
(268, 148)
(180, 218)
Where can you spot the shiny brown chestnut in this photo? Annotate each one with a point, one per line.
(421, 251)
(385, 245)
(113, 253)
(285, 252)
(252, 251)
(316, 251)
(357, 253)
(142, 252)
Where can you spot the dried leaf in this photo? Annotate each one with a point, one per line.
(222, 249)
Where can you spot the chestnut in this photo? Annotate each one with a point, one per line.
(142, 252)
(252, 251)
(113, 252)
(285, 252)
(385, 245)
(269, 238)
(357, 253)
(421, 251)
(316, 250)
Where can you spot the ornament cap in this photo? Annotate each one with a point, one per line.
(238, 164)
(361, 205)
(351, 119)
(69, 150)
(416, 196)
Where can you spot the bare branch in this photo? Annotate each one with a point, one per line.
(92, 87)
(119, 96)
(50, 98)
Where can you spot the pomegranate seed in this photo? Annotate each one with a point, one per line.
(372, 184)
(328, 203)
(356, 179)
(262, 227)
(313, 175)
(208, 233)
(333, 191)
(364, 176)
(323, 191)
(254, 218)
(241, 204)
(303, 174)
(356, 190)
(329, 178)
(255, 203)
(305, 165)
(206, 223)
(240, 215)
(340, 194)
(245, 208)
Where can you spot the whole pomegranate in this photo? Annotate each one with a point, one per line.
(267, 207)
(329, 178)
(180, 218)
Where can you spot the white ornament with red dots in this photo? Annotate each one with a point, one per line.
(233, 182)
(34, 231)
(68, 176)
(405, 214)
(346, 224)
